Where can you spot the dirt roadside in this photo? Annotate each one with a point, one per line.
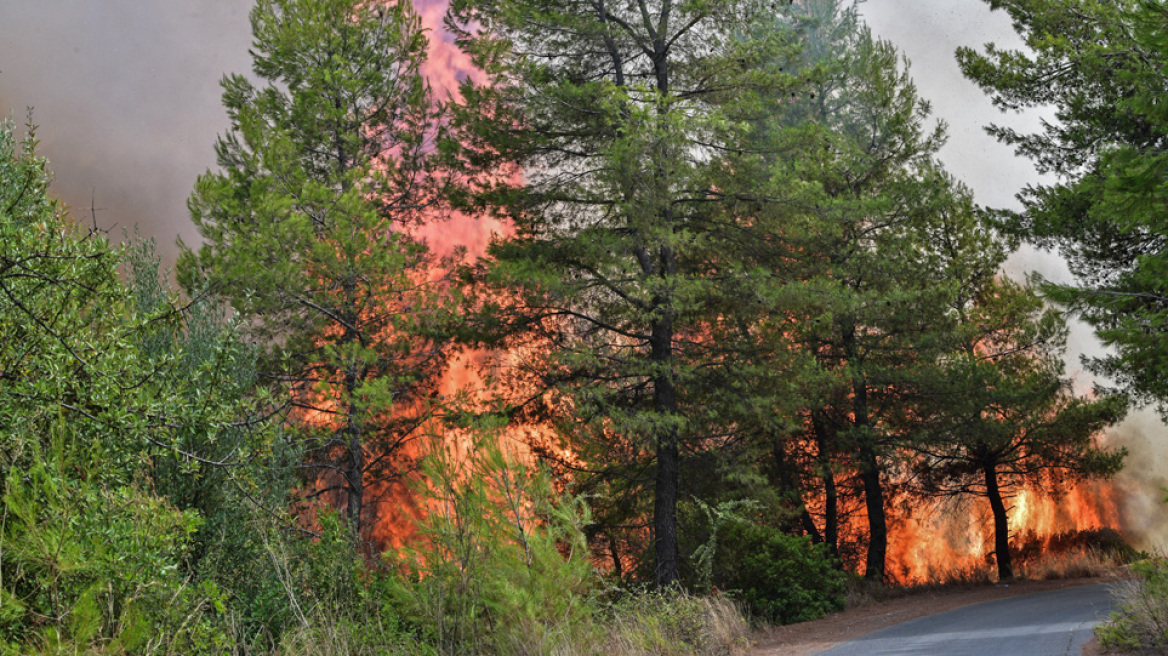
(812, 637)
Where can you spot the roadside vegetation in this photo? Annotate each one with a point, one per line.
(1141, 624)
(740, 324)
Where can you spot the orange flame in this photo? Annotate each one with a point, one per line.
(952, 538)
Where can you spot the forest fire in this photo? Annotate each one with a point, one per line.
(930, 539)
(951, 538)
(663, 318)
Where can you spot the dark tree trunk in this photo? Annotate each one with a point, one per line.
(355, 480)
(354, 468)
(1001, 523)
(667, 438)
(830, 495)
(873, 490)
(665, 512)
(869, 463)
(617, 568)
(664, 392)
(788, 486)
(874, 505)
(668, 462)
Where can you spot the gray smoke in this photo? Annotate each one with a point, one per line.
(126, 96)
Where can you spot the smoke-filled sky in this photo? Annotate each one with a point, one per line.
(127, 99)
(126, 94)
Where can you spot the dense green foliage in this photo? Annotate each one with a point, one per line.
(739, 316)
(1100, 65)
(781, 578)
(323, 172)
(120, 411)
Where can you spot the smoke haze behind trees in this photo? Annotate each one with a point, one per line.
(127, 94)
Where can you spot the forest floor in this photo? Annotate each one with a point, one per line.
(808, 638)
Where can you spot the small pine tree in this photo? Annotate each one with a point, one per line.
(307, 234)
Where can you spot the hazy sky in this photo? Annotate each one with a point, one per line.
(127, 98)
(126, 93)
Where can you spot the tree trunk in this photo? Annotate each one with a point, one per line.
(830, 495)
(874, 505)
(668, 458)
(665, 395)
(355, 480)
(869, 464)
(788, 486)
(873, 490)
(1001, 524)
(354, 469)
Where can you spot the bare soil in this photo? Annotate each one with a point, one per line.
(812, 637)
(1093, 649)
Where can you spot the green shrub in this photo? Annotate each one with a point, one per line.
(501, 564)
(91, 567)
(1141, 623)
(780, 578)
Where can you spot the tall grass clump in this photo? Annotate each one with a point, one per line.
(655, 624)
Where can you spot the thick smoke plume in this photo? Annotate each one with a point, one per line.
(127, 99)
(126, 94)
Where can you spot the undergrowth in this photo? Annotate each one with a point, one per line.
(1141, 623)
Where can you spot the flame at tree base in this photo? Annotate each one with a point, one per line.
(952, 538)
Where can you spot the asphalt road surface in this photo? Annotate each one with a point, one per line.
(1053, 623)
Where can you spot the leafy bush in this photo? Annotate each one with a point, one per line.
(781, 578)
(1141, 624)
(87, 566)
(500, 564)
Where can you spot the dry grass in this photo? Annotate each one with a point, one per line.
(1074, 563)
(679, 626)
(1085, 562)
(862, 592)
(643, 625)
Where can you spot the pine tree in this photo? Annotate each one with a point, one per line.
(323, 173)
(1101, 65)
(872, 200)
(995, 412)
(624, 123)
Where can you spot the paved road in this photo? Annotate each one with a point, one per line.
(1053, 623)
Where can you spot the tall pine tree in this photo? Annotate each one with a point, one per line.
(1102, 65)
(871, 200)
(609, 131)
(307, 223)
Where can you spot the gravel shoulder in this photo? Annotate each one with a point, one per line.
(812, 637)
